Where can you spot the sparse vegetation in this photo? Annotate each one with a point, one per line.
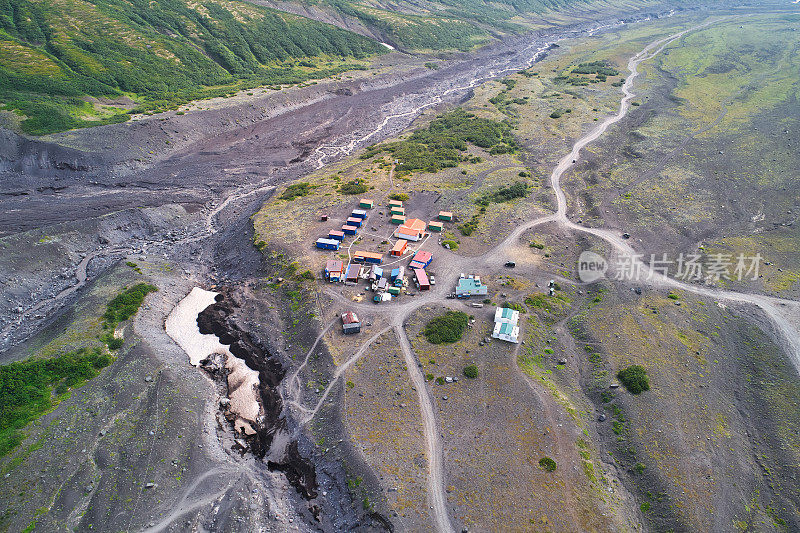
(635, 379)
(446, 328)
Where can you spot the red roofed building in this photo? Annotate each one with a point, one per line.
(411, 230)
(350, 322)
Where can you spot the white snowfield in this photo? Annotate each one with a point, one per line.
(181, 325)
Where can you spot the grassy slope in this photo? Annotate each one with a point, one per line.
(462, 24)
(67, 64)
(713, 166)
(55, 53)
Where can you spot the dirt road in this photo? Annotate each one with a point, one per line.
(436, 495)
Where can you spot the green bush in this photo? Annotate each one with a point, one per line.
(452, 245)
(296, 190)
(505, 193)
(547, 463)
(600, 68)
(399, 196)
(125, 304)
(471, 371)
(26, 388)
(356, 186)
(515, 306)
(114, 343)
(446, 328)
(635, 379)
(441, 144)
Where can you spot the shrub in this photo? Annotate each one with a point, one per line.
(399, 196)
(114, 343)
(451, 245)
(547, 463)
(26, 388)
(515, 306)
(635, 379)
(506, 193)
(536, 245)
(125, 304)
(557, 113)
(356, 186)
(471, 371)
(446, 328)
(468, 228)
(442, 143)
(639, 468)
(599, 68)
(295, 191)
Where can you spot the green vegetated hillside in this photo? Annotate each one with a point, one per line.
(137, 55)
(458, 24)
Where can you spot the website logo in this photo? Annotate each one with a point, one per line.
(591, 267)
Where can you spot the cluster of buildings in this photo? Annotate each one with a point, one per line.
(366, 265)
(506, 326)
(350, 227)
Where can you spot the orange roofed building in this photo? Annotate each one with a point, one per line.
(411, 230)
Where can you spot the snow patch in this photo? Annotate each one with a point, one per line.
(181, 325)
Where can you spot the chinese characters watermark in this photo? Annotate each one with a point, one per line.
(685, 267)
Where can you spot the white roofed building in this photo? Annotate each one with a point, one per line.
(505, 324)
